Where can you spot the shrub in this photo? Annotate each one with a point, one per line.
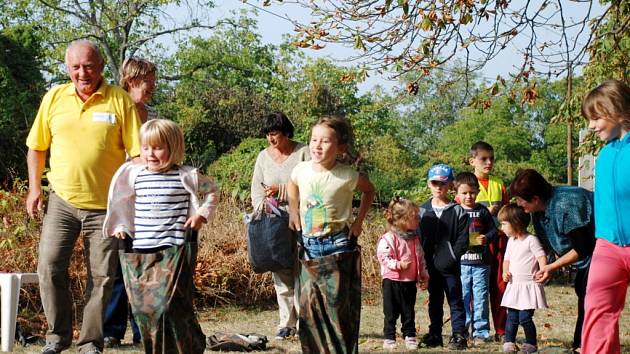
(234, 170)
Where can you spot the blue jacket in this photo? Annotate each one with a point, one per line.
(612, 192)
(568, 208)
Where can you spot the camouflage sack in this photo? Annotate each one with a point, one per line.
(330, 303)
(160, 290)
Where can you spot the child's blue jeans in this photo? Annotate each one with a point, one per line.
(475, 278)
(525, 319)
(317, 247)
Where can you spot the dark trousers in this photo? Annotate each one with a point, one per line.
(117, 312)
(580, 290)
(525, 319)
(451, 285)
(399, 299)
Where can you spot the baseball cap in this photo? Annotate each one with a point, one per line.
(441, 172)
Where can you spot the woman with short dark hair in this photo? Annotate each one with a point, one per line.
(563, 218)
(271, 174)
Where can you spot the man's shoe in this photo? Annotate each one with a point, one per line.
(111, 342)
(52, 349)
(432, 340)
(457, 342)
(285, 333)
(93, 351)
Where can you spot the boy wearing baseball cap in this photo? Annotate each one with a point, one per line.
(444, 230)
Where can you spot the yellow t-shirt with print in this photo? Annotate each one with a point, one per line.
(87, 141)
(325, 198)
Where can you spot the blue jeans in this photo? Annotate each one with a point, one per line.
(475, 279)
(525, 319)
(117, 312)
(317, 247)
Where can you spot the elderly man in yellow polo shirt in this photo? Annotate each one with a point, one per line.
(88, 126)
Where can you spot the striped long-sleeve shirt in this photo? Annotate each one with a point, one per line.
(161, 208)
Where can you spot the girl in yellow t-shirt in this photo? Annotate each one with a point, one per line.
(320, 192)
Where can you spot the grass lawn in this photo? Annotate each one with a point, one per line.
(555, 326)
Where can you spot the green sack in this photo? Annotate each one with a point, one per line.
(160, 290)
(330, 303)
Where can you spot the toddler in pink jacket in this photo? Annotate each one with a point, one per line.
(400, 254)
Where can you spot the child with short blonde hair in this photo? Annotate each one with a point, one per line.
(160, 204)
(400, 254)
(523, 295)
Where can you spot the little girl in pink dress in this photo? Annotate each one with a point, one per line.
(523, 257)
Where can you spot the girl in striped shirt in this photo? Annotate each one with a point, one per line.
(158, 203)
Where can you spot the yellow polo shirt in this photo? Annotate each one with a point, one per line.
(87, 141)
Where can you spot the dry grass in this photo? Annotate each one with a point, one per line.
(233, 298)
(555, 326)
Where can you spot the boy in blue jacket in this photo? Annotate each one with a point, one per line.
(444, 230)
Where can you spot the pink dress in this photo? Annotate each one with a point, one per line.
(522, 292)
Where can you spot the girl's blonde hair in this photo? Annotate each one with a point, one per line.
(135, 69)
(167, 132)
(610, 100)
(516, 216)
(400, 211)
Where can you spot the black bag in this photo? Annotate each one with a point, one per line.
(235, 342)
(271, 245)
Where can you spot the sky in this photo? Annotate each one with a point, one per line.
(273, 27)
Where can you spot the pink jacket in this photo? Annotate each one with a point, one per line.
(392, 249)
(203, 191)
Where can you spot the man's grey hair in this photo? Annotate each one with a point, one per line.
(87, 43)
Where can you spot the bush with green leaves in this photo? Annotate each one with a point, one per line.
(22, 87)
(233, 170)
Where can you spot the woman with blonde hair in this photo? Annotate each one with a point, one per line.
(137, 76)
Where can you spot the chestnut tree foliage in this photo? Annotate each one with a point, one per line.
(411, 36)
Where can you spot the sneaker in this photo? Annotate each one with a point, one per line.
(411, 343)
(509, 347)
(500, 338)
(527, 349)
(389, 344)
(432, 340)
(52, 349)
(111, 342)
(457, 342)
(285, 333)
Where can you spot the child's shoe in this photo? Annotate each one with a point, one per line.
(411, 343)
(432, 340)
(457, 342)
(509, 347)
(479, 341)
(389, 344)
(527, 349)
